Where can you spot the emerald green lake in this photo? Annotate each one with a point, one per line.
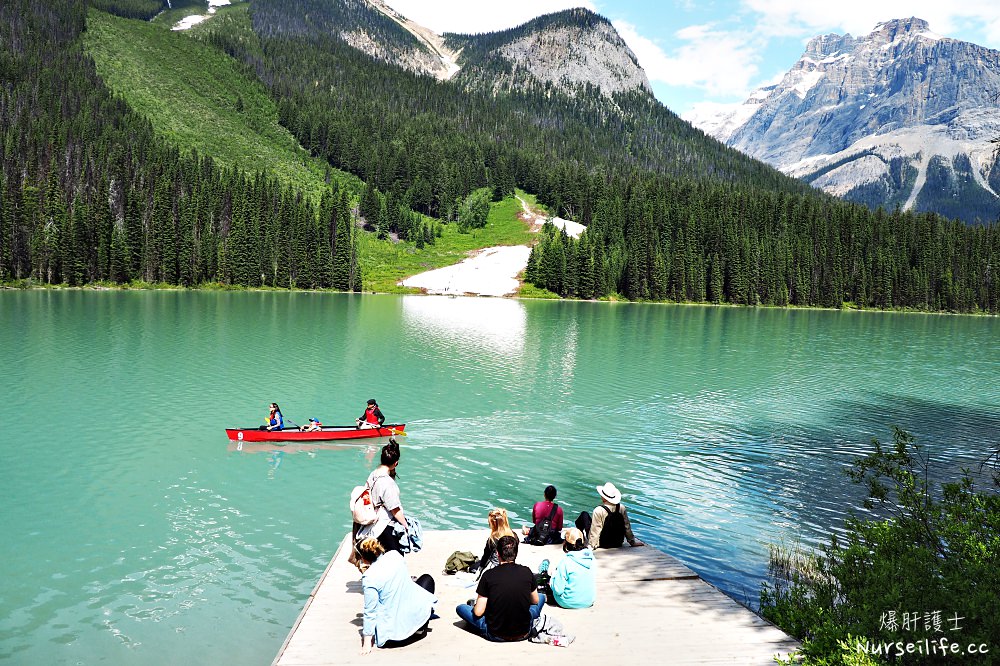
(135, 532)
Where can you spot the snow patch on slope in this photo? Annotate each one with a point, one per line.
(840, 181)
(491, 272)
(920, 144)
(195, 19)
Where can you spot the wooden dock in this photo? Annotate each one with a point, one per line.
(650, 608)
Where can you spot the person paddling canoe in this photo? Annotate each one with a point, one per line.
(275, 421)
(372, 418)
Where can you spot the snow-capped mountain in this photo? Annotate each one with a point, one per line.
(901, 116)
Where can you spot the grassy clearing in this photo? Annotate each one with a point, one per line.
(383, 264)
(200, 99)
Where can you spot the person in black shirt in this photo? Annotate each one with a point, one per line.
(508, 603)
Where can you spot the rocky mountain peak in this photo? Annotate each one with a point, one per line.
(577, 53)
(567, 50)
(901, 116)
(897, 29)
(826, 46)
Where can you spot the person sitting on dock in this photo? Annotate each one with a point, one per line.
(573, 582)
(385, 497)
(372, 418)
(499, 527)
(275, 421)
(541, 512)
(313, 425)
(508, 603)
(397, 608)
(609, 526)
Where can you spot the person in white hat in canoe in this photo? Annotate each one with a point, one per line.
(608, 526)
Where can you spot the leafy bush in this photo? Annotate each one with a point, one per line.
(474, 210)
(926, 571)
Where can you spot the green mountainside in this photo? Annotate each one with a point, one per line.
(200, 99)
(90, 193)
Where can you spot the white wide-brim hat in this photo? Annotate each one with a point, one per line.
(610, 493)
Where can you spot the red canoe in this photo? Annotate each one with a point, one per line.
(326, 433)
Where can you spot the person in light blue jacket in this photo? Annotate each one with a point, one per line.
(397, 608)
(573, 583)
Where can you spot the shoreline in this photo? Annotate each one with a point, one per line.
(4, 287)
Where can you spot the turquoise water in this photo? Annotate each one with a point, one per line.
(135, 532)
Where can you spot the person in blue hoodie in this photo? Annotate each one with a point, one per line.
(573, 582)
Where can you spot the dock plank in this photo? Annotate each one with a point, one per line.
(650, 608)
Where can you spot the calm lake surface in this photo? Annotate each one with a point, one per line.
(134, 532)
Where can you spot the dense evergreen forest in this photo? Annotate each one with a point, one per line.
(88, 193)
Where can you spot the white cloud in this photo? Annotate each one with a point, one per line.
(717, 61)
(465, 16)
(781, 18)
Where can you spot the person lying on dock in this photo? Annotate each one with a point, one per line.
(313, 424)
(547, 517)
(508, 603)
(397, 608)
(609, 526)
(372, 418)
(573, 582)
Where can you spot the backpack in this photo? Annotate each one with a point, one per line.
(362, 508)
(613, 532)
(460, 560)
(541, 532)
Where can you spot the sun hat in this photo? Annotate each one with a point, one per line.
(610, 493)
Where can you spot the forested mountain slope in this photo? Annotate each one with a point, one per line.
(437, 138)
(88, 191)
(199, 99)
(671, 213)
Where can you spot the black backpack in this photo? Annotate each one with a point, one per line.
(541, 532)
(613, 532)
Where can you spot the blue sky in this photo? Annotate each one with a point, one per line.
(699, 52)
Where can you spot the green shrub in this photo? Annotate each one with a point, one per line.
(926, 570)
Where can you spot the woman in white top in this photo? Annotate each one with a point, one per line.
(390, 523)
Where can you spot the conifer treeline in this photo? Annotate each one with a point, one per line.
(700, 242)
(89, 193)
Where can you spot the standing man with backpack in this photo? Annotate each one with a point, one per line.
(609, 526)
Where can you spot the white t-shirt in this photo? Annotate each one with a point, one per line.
(385, 497)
